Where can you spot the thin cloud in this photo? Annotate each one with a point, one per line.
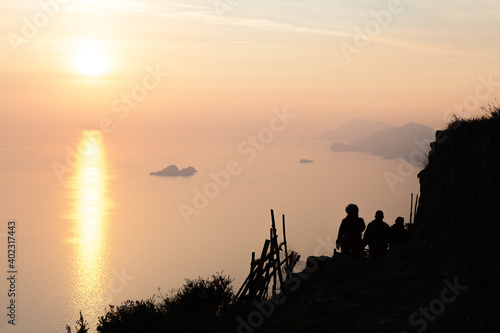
(211, 17)
(432, 49)
(194, 13)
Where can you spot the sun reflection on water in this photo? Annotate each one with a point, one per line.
(89, 216)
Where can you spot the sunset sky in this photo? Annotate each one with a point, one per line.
(231, 62)
(96, 94)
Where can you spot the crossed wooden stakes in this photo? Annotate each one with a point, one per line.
(269, 269)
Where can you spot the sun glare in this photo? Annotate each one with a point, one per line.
(91, 61)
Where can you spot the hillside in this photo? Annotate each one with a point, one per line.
(348, 295)
(393, 142)
(459, 214)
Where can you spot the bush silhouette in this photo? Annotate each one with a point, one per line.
(198, 306)
(133, 316)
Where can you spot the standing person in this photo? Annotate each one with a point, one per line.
(377, 236)
(351, 228)
(398, 234)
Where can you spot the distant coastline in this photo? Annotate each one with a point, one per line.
(409, 141)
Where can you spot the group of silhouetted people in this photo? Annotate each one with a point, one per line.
(378, 235)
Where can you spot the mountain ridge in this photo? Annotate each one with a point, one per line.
(409, 141)
(354, 129)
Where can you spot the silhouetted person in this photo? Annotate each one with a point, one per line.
(351, 228)
(376, 236)
(398, 234)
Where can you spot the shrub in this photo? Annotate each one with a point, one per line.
(198, 306)
(133, 316)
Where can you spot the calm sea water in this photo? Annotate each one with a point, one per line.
(109, 232)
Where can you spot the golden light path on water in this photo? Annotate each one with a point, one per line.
(90, 209)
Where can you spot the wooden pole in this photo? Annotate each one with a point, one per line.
(267, 269)
(264, 250)
(245, 284)
(411, 208)
(416, 206)
(273, 224)
(271, 259)
(287, 263)
(277, 262)
(274, 239)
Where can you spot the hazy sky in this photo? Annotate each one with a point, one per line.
(230, 62)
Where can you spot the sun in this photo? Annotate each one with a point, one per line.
(91, 62)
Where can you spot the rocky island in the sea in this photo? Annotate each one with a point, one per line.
(173, 171)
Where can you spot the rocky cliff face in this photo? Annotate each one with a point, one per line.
(459, 211)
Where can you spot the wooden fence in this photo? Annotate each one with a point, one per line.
(269, 271)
